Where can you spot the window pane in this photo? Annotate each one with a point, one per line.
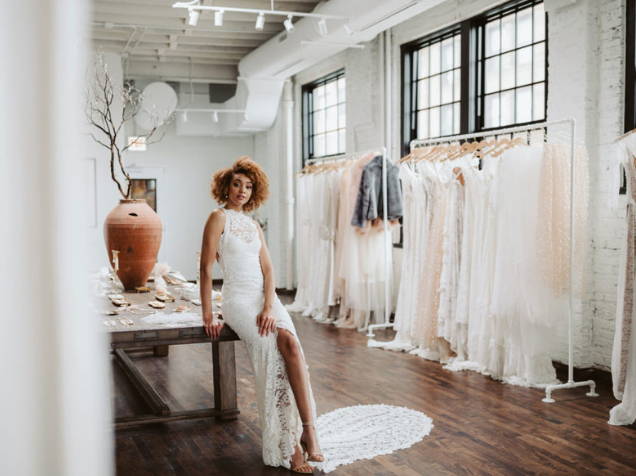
(435, 90)
(492, 38)
(539, 23)
(508, 32)
(458, 51)
(331, 93)
(539, 62)
(447, 87)
(422, 63)
(422, 125)
(456, 84)
(342, 141)
(456, 118)
(332, 118)
(331, 143)
(422, 94)
(342, 90)
(447, 120)
(507, 107)
(492, 111)
(538, 102)
(319, 97)
(524, 66)
(319, 145)
(447, 54)
(492, 74)
(524, 104)
(319, 121)
(508, 70)
(434, 122)
(435, 58)
(524, 27)
(342, 116)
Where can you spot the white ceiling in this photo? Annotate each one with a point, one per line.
(157, 42)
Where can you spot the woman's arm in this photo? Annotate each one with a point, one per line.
(211, 235)
(265, 321)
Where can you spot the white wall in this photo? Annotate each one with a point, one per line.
(183, 167)
(585, 81)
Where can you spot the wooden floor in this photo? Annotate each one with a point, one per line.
(481, 426)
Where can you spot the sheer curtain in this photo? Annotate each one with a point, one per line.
(54, 367)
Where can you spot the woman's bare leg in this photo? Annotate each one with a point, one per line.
(299, 380)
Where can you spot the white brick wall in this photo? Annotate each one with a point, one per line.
(586, 70)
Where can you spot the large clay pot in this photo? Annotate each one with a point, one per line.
(134, 229)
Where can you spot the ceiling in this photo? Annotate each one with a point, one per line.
(156, 41)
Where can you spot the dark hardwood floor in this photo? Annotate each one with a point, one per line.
(482, 427)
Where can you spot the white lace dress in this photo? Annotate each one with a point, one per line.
(243, 296)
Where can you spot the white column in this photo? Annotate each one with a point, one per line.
(53, 360)
(288, 107)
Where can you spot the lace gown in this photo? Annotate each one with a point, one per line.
(243, 296)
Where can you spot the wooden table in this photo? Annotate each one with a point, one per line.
(129, 332)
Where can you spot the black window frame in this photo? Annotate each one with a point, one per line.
(307, 113)
(629, 121)
(472, 97)
(480, 63)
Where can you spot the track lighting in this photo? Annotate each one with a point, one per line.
(322, 27)
(260, 21)
(193, 17)
(215, 116)
(289, 26)
(218, 18)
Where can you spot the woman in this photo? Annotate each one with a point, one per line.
(250, 306)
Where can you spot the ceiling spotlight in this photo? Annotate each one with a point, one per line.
(184, 116)
(193, 17)
(322, 27)
(218, 18)
(348, 29)
(260, 21)
(215, 116)
(289, 26)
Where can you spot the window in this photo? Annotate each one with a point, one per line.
(512, 65)
(484, 73)
(432, 86)
(324, 116)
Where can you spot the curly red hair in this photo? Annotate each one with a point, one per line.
(244, 165)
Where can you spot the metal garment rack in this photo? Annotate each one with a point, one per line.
(528, 128)
(387, 241)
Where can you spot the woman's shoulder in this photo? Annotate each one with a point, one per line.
(217, 217)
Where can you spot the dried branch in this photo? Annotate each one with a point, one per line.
(100, 99)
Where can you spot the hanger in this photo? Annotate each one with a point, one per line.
(509, 145)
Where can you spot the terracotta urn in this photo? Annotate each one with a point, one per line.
(134, 230)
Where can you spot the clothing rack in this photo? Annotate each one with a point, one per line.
(387, 237)
(528, 128)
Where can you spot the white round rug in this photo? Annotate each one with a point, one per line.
(364, 431)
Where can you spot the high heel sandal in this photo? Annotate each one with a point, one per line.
(316, 457)
(302, 468)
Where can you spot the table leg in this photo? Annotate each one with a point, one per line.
(161, 350)
(224, 374)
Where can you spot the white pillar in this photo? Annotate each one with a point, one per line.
(288, 107)
(53, 360)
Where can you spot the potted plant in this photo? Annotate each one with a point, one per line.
(132, 230)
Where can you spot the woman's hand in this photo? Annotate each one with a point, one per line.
(266, 322)
(212, 326)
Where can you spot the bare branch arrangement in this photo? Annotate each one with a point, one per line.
(99, 112)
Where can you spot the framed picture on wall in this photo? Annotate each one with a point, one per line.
(145, 188)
